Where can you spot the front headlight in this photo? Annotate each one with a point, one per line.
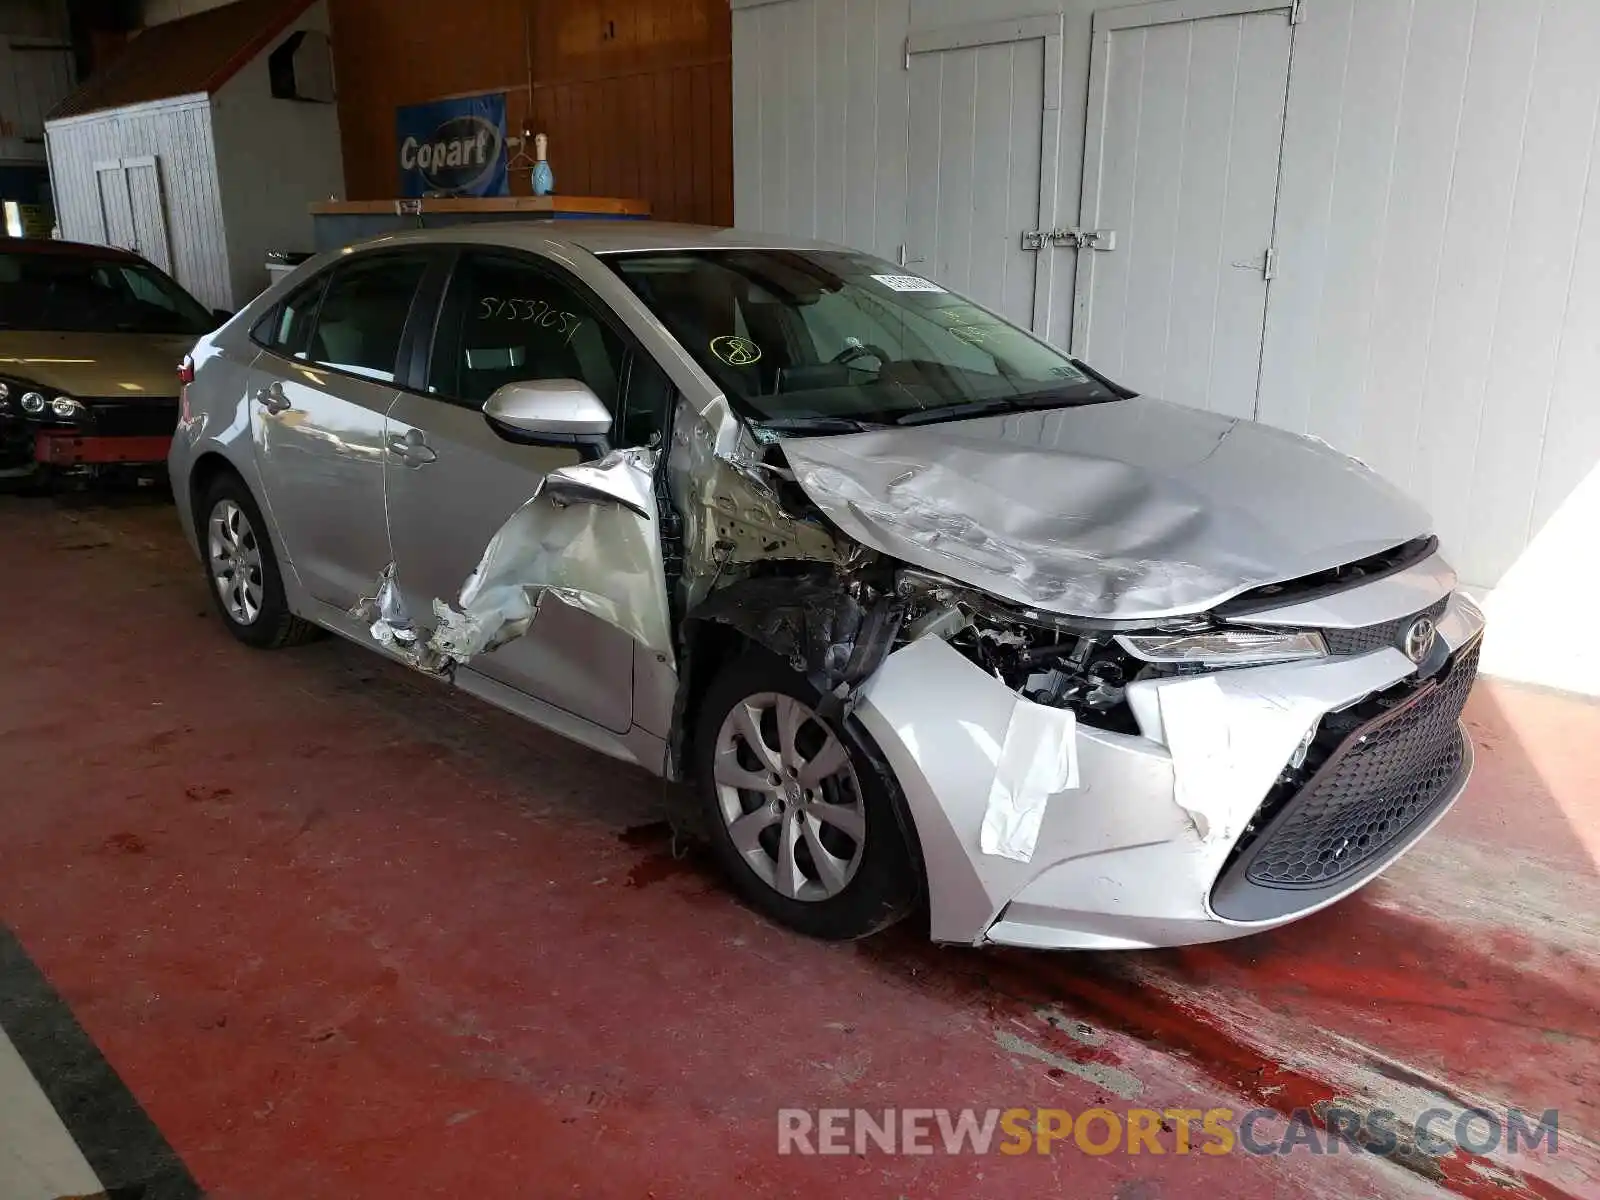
(1227, 647)
(28, 398)
(66, 407)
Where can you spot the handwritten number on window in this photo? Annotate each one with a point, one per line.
(538, 312)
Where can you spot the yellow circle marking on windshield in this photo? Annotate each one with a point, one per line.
(736, 351)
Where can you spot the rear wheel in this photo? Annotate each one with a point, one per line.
(246, 585)
(799, 818)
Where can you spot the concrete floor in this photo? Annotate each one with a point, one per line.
(344, 933)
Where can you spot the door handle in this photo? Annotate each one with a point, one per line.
(272, 398)
(411, 448)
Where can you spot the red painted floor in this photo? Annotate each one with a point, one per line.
(347, 934)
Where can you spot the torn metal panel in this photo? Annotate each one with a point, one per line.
(587, 539)
(1132, 509)
(384, 613)
(731, 513)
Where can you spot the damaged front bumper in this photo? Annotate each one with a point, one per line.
(1176, 835)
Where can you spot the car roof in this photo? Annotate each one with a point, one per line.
(49, 246)
(599, 237)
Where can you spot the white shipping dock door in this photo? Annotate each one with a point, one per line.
(985, 126)
(1181, 168)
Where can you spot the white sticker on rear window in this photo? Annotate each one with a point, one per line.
(908, 283)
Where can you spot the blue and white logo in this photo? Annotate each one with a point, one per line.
(453, 147)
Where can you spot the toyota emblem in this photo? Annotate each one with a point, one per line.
(1419, 639)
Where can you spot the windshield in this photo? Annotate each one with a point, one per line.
(81, 294)
(797, 338)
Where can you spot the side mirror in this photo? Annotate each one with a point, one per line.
(548, 412)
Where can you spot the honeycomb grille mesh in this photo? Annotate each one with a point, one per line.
(1385, 778)
(1376, 637)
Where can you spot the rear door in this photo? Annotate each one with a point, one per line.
(453, 482)
(319, 394)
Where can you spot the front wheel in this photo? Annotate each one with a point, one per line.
(800, 819)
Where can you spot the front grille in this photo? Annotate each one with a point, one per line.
(133, 418)
(1377, 637)
(1380, 782)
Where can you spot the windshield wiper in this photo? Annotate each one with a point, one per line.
(973, 408)
(1001, 404)
(819, 425)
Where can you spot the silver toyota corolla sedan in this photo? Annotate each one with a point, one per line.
(919, 607)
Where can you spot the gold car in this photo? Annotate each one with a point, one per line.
(90, 342)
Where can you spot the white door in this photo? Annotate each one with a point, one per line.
(985, 124)
(133, 208)
(1185, 138)
(149, 207)
(116, 207)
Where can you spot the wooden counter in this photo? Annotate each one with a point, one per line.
(337, 223)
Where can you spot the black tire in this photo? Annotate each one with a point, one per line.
(884, 886)
(274, 625)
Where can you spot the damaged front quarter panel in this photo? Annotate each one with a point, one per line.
(732, 515)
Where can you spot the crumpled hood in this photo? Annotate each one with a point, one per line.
(112, 365)
(1126, 510)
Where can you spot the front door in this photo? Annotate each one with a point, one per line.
(985, 120)
(1185, 136)
(318, 398)
(453, 482)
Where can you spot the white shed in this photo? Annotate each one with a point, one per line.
(1373, 221)
(202, 144)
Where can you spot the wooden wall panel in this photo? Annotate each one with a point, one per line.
(635, 95)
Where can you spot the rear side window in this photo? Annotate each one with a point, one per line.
(286, 330)
(363, 314)
(508, 321)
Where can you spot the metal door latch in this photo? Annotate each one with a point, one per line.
(1077, 239)
(1267, 264)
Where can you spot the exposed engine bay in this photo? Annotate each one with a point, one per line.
(1086, 672)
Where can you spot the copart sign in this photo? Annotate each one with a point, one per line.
(453, 147)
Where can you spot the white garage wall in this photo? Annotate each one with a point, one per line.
(274, 157)
(821, 101)
(178, 133)
(1437, 305)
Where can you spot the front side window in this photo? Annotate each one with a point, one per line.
(80, 293)
(362, 315)
(798, 336)
(506, 320)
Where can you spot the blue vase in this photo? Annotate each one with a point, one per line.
(544, 179)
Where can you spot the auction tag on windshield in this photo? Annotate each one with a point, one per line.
(908, 283)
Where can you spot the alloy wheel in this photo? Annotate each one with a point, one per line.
(789, 796)
(235, 558)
